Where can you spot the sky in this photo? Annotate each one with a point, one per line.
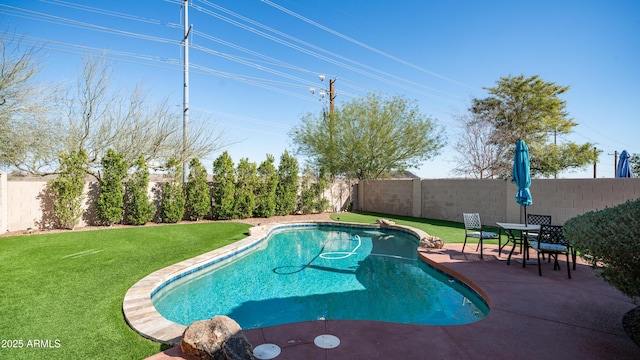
(252, 62)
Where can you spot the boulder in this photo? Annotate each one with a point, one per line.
(385, 222)
(220, 338)
(431, 242)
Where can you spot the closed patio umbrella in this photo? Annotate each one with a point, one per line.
(522, 176)
(624, 167)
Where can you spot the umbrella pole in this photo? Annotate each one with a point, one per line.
(525, 215)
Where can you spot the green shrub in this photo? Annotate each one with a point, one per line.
(266, 188)
(68, 188)
(223, 187)
(138, 209)
(173, 201)
(198, 201)
(609, 239)
(110, 204)
(246, 179)
(172, 208)
(312, 198)
(287, 188)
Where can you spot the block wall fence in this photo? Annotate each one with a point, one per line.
(494, 200)
(24, 203)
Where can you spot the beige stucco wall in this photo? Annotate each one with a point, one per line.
(386, 196)
(447, 199)
(3, 203)
(23, 204)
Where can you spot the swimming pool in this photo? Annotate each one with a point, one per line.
(311, 272)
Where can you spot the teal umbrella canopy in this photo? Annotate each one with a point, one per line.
(521, 174)
(624, 167)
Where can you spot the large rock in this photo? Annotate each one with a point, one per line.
(385, 223)
(431, 242)
(220, 338)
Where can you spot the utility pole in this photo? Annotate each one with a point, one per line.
(615, 162)
(328, 115)
(185, 93)
(332, 95)
(595, 160)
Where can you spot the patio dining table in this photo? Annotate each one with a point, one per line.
(510, 230)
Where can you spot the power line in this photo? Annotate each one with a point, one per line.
(315, 54)
(30, 14)
(356, 42)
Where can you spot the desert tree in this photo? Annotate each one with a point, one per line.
(27, 108)
(477, 154)
(102, 116)
(368, 137)
(531, 109)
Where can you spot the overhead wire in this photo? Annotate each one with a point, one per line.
(79, 24)
(361, 44)
(317, 48)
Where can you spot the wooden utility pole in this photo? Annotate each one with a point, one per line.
(595, 160)
(332, 95)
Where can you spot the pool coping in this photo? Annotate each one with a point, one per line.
(142, 316)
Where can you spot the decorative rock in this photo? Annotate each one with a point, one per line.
(220, 338)
(431, 242)
(385, 222)
(257, 231)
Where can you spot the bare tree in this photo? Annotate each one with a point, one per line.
(27, 141)
(130, 123)
(478, 154)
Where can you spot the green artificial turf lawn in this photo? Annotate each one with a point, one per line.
(448, 231)
(68, 287)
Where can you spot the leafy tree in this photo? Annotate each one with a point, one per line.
(312, 198)
(68, 188)
(173, 201)
(368, 137)
(266, 189)
(198, 201)
(287, 188)
(529, 108)
(110, 204)
(223, 187)
(246, 180)
(138, 209)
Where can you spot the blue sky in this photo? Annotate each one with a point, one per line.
(254, 61)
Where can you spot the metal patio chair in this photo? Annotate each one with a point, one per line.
(551, 241)
(473, 229)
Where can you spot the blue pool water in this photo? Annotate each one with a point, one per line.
(323, 272)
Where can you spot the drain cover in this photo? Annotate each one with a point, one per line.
(326, 341)
(266, 351)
